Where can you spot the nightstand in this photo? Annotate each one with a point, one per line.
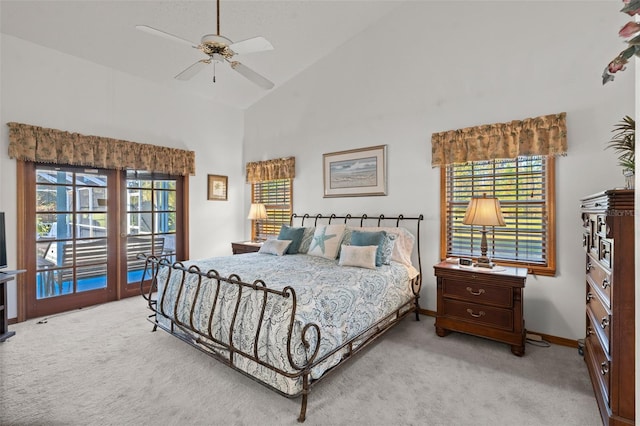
(245, 247)
(483, 302)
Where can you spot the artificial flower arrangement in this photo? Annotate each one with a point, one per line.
(631, 8)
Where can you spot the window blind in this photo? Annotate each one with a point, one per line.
(276, 195)
(521, 186)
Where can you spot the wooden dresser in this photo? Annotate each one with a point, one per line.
(608, 241)
(483, 302)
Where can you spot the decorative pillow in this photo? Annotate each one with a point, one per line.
(403, 246)
(307, 237)
(293, 234)
(387, 248)
(326, 241)
(359, 238)
(277, 247)
(360, 256)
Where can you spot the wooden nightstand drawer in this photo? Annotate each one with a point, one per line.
(479, 314)
(478, 292)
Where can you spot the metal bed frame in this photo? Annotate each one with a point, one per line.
(225, 351)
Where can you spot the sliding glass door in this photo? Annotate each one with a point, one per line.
(84, 229)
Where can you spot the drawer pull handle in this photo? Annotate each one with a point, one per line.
(604, 322)
(473, 314)
(475, 293)
(604, 368)
(589, 331)
(589, 266)
(605, 283)
(589, 297)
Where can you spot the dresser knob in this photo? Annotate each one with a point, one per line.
(473, 314)
(605, 283)
(589, 331)
(475, 293)
(589, 297)
(604, 368)
(604, 322)
(589, 266)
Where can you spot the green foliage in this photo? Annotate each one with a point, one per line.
(624, 143)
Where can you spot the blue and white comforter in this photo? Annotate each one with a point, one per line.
(342, 301)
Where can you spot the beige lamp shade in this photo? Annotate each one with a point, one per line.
(257, 212)
(484, 211)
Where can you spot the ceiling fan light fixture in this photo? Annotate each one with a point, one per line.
(220, 49)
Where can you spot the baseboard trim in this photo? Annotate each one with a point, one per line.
(555, 340)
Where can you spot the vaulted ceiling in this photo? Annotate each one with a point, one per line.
(103, 32)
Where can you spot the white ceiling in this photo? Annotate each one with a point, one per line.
(301, 31)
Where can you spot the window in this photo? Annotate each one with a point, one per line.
(277, 197)
(525, 188)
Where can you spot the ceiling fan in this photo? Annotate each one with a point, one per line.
(219, 49)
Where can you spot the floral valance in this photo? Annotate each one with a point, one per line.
(39, 144)
(279, 168)
(541, 136)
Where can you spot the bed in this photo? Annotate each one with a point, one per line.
(290, 314)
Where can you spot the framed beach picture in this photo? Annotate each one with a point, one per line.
(355, 173)
(216, 187)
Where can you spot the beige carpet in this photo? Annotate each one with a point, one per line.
(104, 366)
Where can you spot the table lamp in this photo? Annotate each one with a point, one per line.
(484, 212)
(257, 212)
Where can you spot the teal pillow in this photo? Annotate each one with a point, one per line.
(292, 234)
(359, 238)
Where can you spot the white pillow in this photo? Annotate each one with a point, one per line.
(277, 247)
(326, 241)
(360, 256)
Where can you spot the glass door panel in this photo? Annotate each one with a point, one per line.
(150, 201)
(71, 231)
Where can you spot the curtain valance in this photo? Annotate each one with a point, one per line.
(39, 144)
(542, 136)
(279, 168)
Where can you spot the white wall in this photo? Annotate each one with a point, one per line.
(46, 88)
(435, 66)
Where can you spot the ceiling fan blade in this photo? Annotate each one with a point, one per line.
(250, 45)
(193, 69)
(168, 36)
(251, 75)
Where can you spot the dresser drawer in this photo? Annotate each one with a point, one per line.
(604, 253)
(599, 317)
(479, 314)
(478, 292)
(600, 279)
(599, 363)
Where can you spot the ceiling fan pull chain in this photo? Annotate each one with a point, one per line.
(214, 71)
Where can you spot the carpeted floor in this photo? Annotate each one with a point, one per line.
(104, 366)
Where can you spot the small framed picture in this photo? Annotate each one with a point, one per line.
(216, 187)
(355, 173)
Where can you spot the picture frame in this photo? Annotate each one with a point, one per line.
(217, 187)
(355, 173)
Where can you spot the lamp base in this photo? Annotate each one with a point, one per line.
(484, 262)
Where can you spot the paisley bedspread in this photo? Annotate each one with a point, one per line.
(342, 301)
